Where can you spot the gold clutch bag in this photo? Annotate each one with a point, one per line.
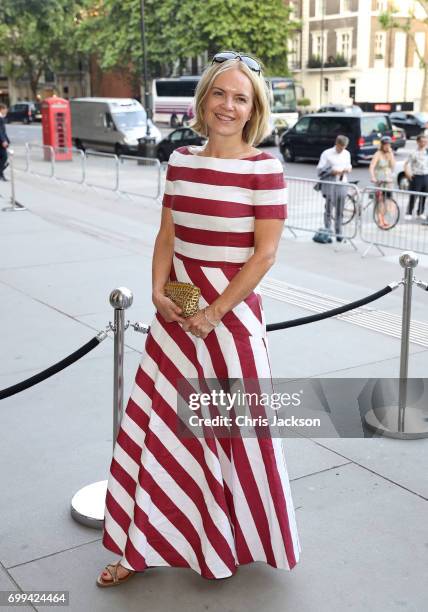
(184, 295)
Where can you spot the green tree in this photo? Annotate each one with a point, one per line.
(389, 23)
(179, 29)
(37, 35)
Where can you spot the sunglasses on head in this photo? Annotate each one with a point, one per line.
(223, 56)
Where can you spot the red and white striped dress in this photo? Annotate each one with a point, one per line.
(207, 504)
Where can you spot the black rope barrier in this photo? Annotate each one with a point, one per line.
(53, 369)
(422, 285)
(89, 346)
(333, 312)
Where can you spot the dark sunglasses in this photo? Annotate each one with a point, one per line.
(223, 56)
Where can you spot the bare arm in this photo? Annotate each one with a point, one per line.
(267, 234)
(373, 166)
(161, 265)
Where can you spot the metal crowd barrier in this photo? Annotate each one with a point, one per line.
(101, 170)
(72, 170)
(407, 234)
(362, 215)
(41, 159)
(126, 174)
(140, 176)
(307, 206)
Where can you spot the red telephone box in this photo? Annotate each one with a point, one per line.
(56, 127)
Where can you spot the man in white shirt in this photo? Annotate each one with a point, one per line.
(334, 165)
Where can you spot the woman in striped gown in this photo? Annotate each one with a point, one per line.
(209, 503)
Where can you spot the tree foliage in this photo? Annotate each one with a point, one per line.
(37, 35)
(390, 22)
(179, 29)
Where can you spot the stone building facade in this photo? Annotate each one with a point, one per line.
(342, 54)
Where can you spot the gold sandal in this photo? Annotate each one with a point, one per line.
(113, 573)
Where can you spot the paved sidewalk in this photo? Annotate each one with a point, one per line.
(361, 503)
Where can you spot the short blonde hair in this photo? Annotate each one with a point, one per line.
(257, 127)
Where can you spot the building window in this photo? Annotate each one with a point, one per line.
(319, 8)
(319, 44)
(294, 47)
(344, 44)
(345, 6)
(326, 85)
(379, 45)
(381, 5)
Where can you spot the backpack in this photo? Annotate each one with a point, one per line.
(322, 235)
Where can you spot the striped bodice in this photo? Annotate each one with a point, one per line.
(214, 203)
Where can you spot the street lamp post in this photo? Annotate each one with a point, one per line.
(148, 145)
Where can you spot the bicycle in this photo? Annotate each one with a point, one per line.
(386, 212)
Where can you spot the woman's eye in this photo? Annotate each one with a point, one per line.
(217, 93)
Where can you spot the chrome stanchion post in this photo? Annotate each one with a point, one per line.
(398, 419)
(87, 505)
(14, 205)
(408, 261)
(120, 299)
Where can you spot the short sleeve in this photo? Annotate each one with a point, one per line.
(270, 191)
(169, 183)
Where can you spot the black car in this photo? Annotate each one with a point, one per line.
(340, 108)
(412, 123)
(22, 111)
(314, 133)
(178, 138)
(398, 138)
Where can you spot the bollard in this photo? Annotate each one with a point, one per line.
(14, 205)
(120, 299)
(87, 505)
(398, 420)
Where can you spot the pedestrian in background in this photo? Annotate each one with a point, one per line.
(334, 165)
(4, 141)
(381, 173)
(416, 170)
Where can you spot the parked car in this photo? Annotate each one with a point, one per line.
(180, 137)
(22, 111)
(340, 108)
(272, 138)
(315, 132)
(412, 123)
(398, 138)
(400, 178)
(38, 113)
(110, 124)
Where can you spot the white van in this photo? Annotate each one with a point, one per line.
(110, 124)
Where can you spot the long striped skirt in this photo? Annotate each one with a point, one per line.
(209, 504)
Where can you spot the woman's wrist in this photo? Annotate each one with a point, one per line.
(213, 314)
(157, 292)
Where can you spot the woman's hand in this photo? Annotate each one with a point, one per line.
(166, 307)
(198, 325)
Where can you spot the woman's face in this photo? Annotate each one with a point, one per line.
(229, 103)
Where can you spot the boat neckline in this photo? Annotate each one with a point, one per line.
(223, 158)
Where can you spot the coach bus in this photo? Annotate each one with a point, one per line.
(173, 97)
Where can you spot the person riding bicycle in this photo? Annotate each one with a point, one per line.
(381, 173)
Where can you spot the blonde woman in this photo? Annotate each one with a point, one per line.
(381, 173)
(206, 503)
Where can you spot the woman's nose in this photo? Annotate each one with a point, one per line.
(228, 102)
